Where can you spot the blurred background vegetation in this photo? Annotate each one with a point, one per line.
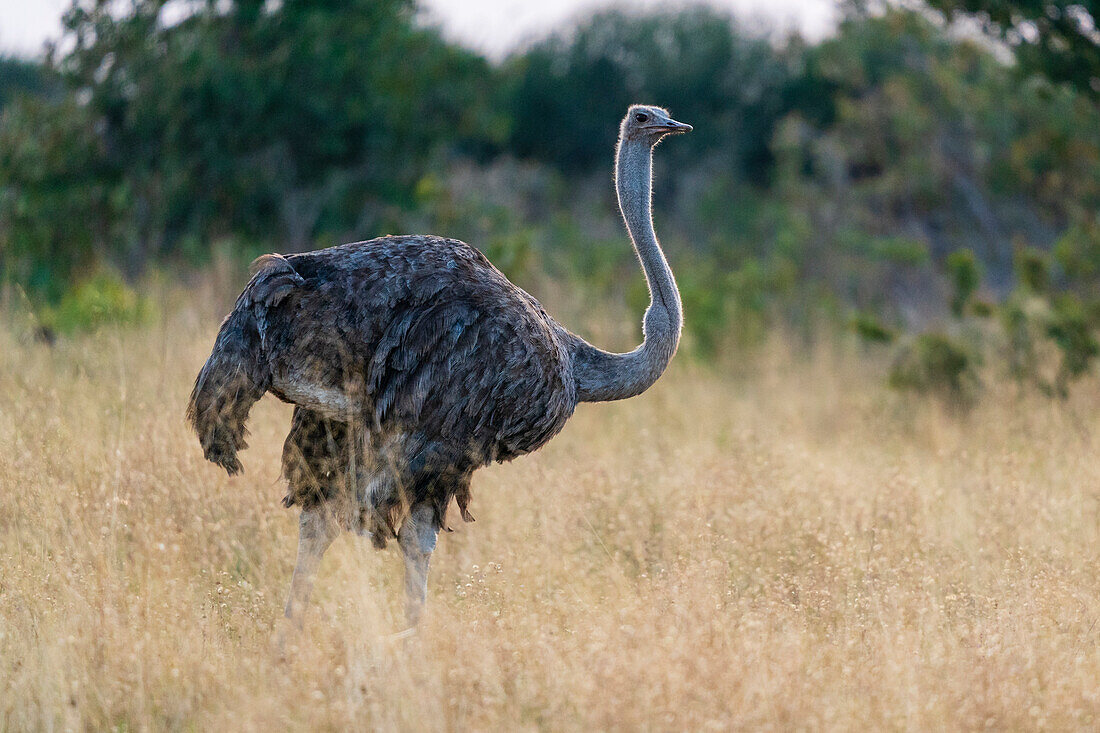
(927, 178)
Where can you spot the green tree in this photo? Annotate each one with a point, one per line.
(59, 197)
(1057, 38)
(21, 77)
(696, 62)
(282, 122)
(252, 117)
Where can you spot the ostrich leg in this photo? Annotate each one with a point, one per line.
(316, 531)
(417, 539)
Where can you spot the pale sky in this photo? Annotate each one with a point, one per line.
(490, 26)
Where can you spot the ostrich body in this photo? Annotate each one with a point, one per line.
(411, 362)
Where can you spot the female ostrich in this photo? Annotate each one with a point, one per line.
(411, 362)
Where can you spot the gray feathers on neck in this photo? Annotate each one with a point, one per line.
(600, 375)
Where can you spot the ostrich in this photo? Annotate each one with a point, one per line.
(411, 362)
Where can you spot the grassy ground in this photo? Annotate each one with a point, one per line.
(795, 549)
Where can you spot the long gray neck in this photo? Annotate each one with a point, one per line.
(600, 375)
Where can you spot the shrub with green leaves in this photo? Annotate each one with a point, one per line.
(935, 363)
(103, 299)
(1077, 252)
(965, 274)
(1070, 330)
(871, 330)
(1032, 270)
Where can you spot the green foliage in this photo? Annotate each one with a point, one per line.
(1054, 37)
(936, 137)
(1071, 331)
(1032, 270)
(1020, 340)
(1077, 252)
(899, 250)
(982, 308)
(935, 363)
(20, 78)
(274, 121)
(871, 330)
(59, 199)
(965, 274)
(1046, 339)
(1049, 343)
(696, 62)
(100, 300)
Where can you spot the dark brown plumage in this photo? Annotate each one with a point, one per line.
(411, 362)
(392, 325)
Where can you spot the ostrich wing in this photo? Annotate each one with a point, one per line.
(422, 336)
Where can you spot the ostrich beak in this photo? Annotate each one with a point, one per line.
(672, 126)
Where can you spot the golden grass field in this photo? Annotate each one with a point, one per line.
(794, 547)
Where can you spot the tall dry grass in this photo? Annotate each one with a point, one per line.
(797, 549)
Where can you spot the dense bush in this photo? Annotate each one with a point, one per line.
(938, 364)
(103, 299)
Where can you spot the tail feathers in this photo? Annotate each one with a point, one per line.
(273, 278)
(227, 387)
(219, 407)
(237, 373)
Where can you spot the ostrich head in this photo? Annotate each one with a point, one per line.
(646, 123)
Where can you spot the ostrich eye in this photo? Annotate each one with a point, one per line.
(641, 117)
